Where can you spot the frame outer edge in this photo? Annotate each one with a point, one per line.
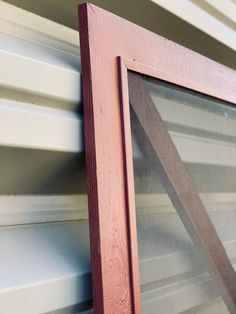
(91, 165)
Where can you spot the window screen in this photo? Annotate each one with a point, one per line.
(174, 274)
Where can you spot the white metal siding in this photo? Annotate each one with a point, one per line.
(44, 245)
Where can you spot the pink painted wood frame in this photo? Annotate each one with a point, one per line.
(110, 46)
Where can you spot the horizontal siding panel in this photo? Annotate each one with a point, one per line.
(179, 297)
(189, 111)
(39, 59)
(30, 126)
(177, 264)
(44, 267)
(26, 209)
(24, 24)
(161, 202)
(40, 78)
(211, 24)
(21, 126)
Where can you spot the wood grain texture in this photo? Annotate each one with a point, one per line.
(91, 165)
(105, 173)
(104, 37)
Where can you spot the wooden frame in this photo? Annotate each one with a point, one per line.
(110, 46)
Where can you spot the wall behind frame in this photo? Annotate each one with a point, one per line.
(145, 13)
(44, 244)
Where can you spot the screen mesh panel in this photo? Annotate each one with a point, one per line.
(174, 274)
